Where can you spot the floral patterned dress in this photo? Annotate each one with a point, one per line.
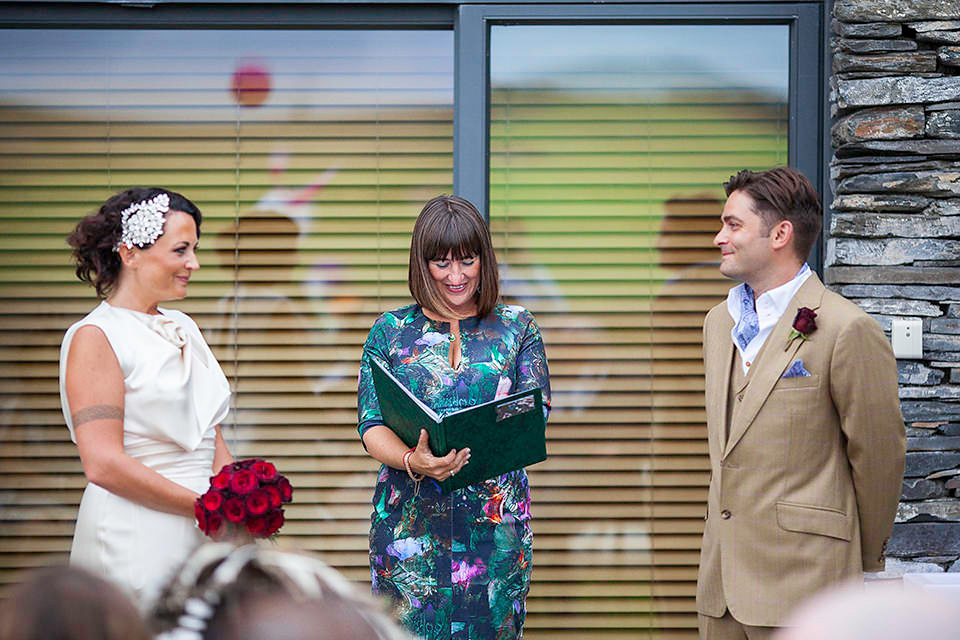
(457, 566)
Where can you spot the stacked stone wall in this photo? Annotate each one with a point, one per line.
(893, 243)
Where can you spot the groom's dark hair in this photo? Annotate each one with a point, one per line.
(783, 194)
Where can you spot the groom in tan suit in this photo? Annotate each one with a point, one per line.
(804, 426)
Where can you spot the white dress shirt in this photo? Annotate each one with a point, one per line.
(770, 307)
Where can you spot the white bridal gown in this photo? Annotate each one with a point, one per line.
(175, 393)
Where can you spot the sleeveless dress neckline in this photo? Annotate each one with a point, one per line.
(160, 323)
(175, 393)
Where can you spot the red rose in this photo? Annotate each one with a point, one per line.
(216, 526)
(264, 470)
(257, 526)
(286, 489)
(276, 498)
(245, 495)
(212, 500)
(201, 515)
(274, 522)
(258, 502)
(222, 480)
(804, 323)
(243, 482)
(233, 509)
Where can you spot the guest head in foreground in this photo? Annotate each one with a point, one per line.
(223, 592)
(874, 611)
(69, 603)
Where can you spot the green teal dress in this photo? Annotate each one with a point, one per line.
(458, 566)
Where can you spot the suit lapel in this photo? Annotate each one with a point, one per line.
(776, 358)
(719, 353)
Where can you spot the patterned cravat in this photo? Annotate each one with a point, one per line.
(749, 325)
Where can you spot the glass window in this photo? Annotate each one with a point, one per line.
(608, 148)
(310, 153)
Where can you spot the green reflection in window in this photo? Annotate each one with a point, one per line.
(609, 145)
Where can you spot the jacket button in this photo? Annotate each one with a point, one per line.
(725, 514)
(739, 397)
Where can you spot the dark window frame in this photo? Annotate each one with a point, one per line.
(471, 140)
(471, 21)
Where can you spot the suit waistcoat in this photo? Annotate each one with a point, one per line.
(738, 386)
(738, 383)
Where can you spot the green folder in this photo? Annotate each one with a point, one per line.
(503, 435)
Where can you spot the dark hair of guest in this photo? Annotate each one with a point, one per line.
(69, 603)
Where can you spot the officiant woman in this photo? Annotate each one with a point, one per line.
(456, 566)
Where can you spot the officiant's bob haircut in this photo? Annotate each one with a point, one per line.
(449, 224)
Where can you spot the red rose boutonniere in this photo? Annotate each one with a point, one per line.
(803, 325)
(245, 498)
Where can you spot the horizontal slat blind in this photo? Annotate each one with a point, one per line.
(308, 191)
(604, 201)
(607, 158)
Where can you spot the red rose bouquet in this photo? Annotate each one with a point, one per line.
(245, 498)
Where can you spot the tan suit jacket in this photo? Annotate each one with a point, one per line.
(804, 490)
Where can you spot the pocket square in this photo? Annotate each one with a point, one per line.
(796, 370)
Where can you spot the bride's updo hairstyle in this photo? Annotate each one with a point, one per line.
(96, 238)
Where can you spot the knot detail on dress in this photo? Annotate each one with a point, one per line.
(167, 328)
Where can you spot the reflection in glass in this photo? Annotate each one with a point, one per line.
(309, 152)
(607, 158)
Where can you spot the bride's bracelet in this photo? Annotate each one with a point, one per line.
(416, 477)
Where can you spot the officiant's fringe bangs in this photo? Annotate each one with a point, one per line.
(450, 224)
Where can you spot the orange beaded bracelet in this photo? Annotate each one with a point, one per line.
(416, 477)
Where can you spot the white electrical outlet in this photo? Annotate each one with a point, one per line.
(907, 338)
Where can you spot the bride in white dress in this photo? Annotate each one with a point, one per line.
(142, 393)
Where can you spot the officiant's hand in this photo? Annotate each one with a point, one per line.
(423, 461)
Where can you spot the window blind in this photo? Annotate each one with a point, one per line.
(310, 154)
(607, 163)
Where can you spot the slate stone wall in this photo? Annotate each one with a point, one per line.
(893, 244)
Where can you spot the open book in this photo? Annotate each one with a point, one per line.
(503, 435)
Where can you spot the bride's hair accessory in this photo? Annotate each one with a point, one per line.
(142, 222)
